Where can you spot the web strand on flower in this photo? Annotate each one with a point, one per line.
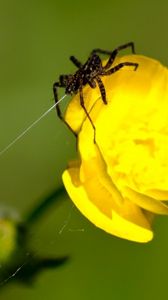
(30, 127)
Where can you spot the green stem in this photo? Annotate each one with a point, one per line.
(44, 204)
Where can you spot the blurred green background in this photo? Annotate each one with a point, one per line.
(36, 40)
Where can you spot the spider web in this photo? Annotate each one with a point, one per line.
(64, 226)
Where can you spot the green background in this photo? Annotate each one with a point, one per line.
(36, 40)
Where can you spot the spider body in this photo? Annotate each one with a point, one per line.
(90, 73)
(84, 75)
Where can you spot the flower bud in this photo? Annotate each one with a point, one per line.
(8, 239)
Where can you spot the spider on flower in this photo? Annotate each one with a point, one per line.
(90, 73)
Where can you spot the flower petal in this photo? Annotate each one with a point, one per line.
(116, 224)
(146, 202)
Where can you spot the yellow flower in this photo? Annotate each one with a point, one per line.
(120, 182)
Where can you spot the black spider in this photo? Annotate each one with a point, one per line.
(89, 73)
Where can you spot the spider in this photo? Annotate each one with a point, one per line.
(90, 73)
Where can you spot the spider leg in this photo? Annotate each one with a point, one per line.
(118, 67)
(86, 112)
(58, 110)
(102, 89)
(114, 53)
(92, 83)
(101, 51)
(76, 62)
